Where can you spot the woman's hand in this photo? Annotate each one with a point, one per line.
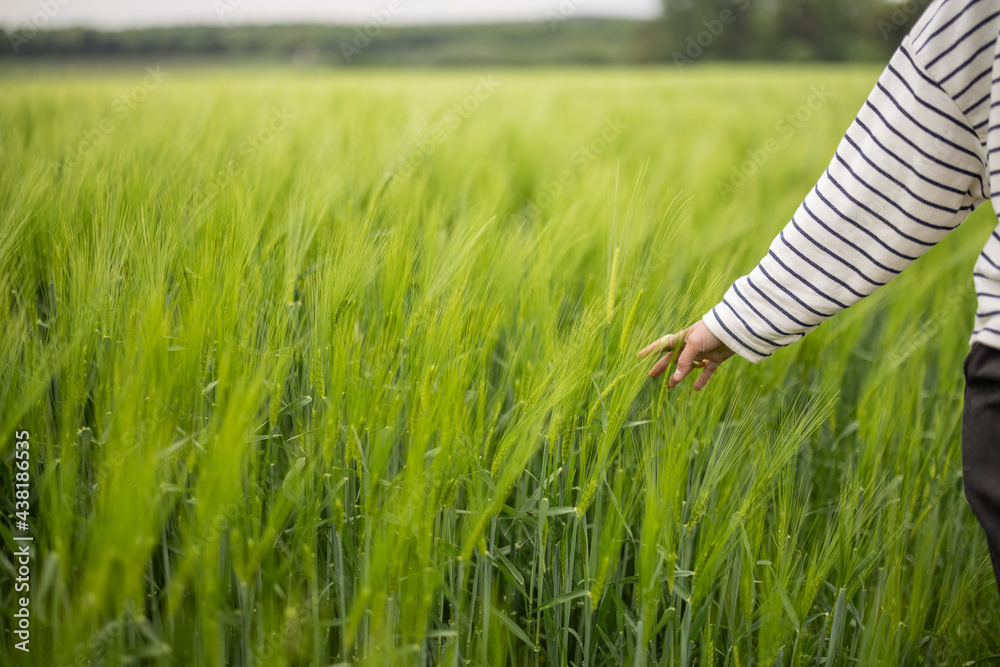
(697, 347)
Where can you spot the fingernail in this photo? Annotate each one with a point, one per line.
(677, 376)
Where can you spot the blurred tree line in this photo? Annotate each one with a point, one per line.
(689, 31)
(562, 41)
(828, 30)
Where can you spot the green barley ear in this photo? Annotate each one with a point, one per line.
(317, 378)
(602, 574)
(586, 497)
(627, 329)
(338, 514)
(481, 408)
(555, 424)
(604, 397)
(501, 455)
(292, 631)
(613, 287)
(708, 652)
(567, 434)
(423, 397)
(275, 404)
(352, 446)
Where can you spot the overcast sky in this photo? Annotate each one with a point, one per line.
(114, 14)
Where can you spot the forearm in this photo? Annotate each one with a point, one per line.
(908, 170)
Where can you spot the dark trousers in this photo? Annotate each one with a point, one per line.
(981, 443)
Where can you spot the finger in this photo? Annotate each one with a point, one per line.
(660, 344)
(652, 347)
(661, 365)
(679, 342)
(705, 376)
(684, 365)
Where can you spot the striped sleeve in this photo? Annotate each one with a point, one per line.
(908, 170)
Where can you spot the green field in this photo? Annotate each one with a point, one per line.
(321, 368)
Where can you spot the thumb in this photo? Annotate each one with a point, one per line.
(685, 362)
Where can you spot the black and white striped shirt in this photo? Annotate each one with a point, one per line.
(923, 152)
